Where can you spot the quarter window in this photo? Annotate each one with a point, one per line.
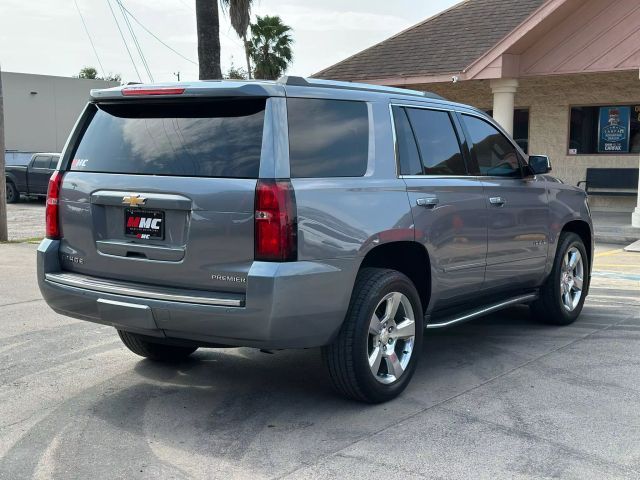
(410, 163)
(491, 152)
(327, 138)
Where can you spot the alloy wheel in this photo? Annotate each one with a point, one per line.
(392, 333)
(571, 279)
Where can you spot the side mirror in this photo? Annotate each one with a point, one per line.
(539, 164)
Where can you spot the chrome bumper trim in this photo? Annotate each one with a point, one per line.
(152, 292)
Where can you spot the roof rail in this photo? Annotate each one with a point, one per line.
(303, 82)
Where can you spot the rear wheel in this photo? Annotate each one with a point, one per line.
(376, 352)
(154, 351)
(563, 294)
(12, 194)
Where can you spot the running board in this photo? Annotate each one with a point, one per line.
(465, 317)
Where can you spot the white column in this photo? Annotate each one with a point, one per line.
(635, 216)
(504, 98)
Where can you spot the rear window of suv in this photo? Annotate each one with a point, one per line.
(217, 138)
(327, 138)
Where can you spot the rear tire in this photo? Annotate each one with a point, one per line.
(154, 351)
(12, 192)
(375, 354)
(563, 294)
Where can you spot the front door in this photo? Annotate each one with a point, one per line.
(518, 222)
(448, 207)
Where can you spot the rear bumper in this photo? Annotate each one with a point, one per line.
(287, 305)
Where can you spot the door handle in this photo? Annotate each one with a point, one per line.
(497, 201)
(427, 202)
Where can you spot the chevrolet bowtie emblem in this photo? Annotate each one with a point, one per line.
(134, 200)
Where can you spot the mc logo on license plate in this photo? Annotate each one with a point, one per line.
(144, 224)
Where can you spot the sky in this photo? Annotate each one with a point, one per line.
(47, 36)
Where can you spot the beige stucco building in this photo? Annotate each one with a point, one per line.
(550, 71)
(40, 110)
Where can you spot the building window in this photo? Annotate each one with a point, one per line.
(520, 127)
(606, 130)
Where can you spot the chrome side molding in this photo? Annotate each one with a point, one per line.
(465, 317)
(151, 292)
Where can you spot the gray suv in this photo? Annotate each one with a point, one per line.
(304, 213)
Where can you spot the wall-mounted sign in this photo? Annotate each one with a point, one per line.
(613, 130)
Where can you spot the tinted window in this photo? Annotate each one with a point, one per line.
(490, 149)
(437, 142)
(54, 163)
(41, 162)
(328, 138)
(205, 139)
(410, 163)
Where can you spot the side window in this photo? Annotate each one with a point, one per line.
(409, 157)
(437, 142)
(54, 163)
(41, 162)
(490, 149)
(327, 138)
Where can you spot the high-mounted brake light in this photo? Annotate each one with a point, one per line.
(131, 91)
(276, 227)
(52, 229)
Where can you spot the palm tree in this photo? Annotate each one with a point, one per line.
(270, 47)
(208, 25)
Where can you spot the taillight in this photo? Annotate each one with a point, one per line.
(276, 228)
(132, 91)
(52, 215)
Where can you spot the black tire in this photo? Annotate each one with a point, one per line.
(13, 195)
(346, 358)
(154, 351)
(549, 308)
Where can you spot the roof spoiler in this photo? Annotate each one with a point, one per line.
(294, 81)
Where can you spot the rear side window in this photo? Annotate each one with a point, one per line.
(437, 142)
(217, 138)
(327, 138)
(494, 154)
(41, 162)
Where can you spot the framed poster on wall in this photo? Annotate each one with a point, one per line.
(613, 129)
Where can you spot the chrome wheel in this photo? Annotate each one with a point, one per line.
(392, 334)
(571, 279)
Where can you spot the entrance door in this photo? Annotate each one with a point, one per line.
(448, 207)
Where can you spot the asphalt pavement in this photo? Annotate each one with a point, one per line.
(500, 397)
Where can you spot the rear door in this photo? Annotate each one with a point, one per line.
(518, 225)
(447, 204)
(39, 173)
(162, 192)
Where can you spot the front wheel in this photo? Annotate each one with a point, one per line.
(563, 294)
(376, 352)
(12, 194)
(154, 351)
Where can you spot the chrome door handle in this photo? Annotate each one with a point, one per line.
(497, 201)
(428, 202)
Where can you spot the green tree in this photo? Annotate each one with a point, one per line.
(92, 74)
(235, 73)
(270, 47)
(88, 72)
(208, 26)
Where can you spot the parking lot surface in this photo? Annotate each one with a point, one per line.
(26, 219)
(500, 397)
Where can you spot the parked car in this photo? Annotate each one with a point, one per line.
(31, 180)
(305, 213)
